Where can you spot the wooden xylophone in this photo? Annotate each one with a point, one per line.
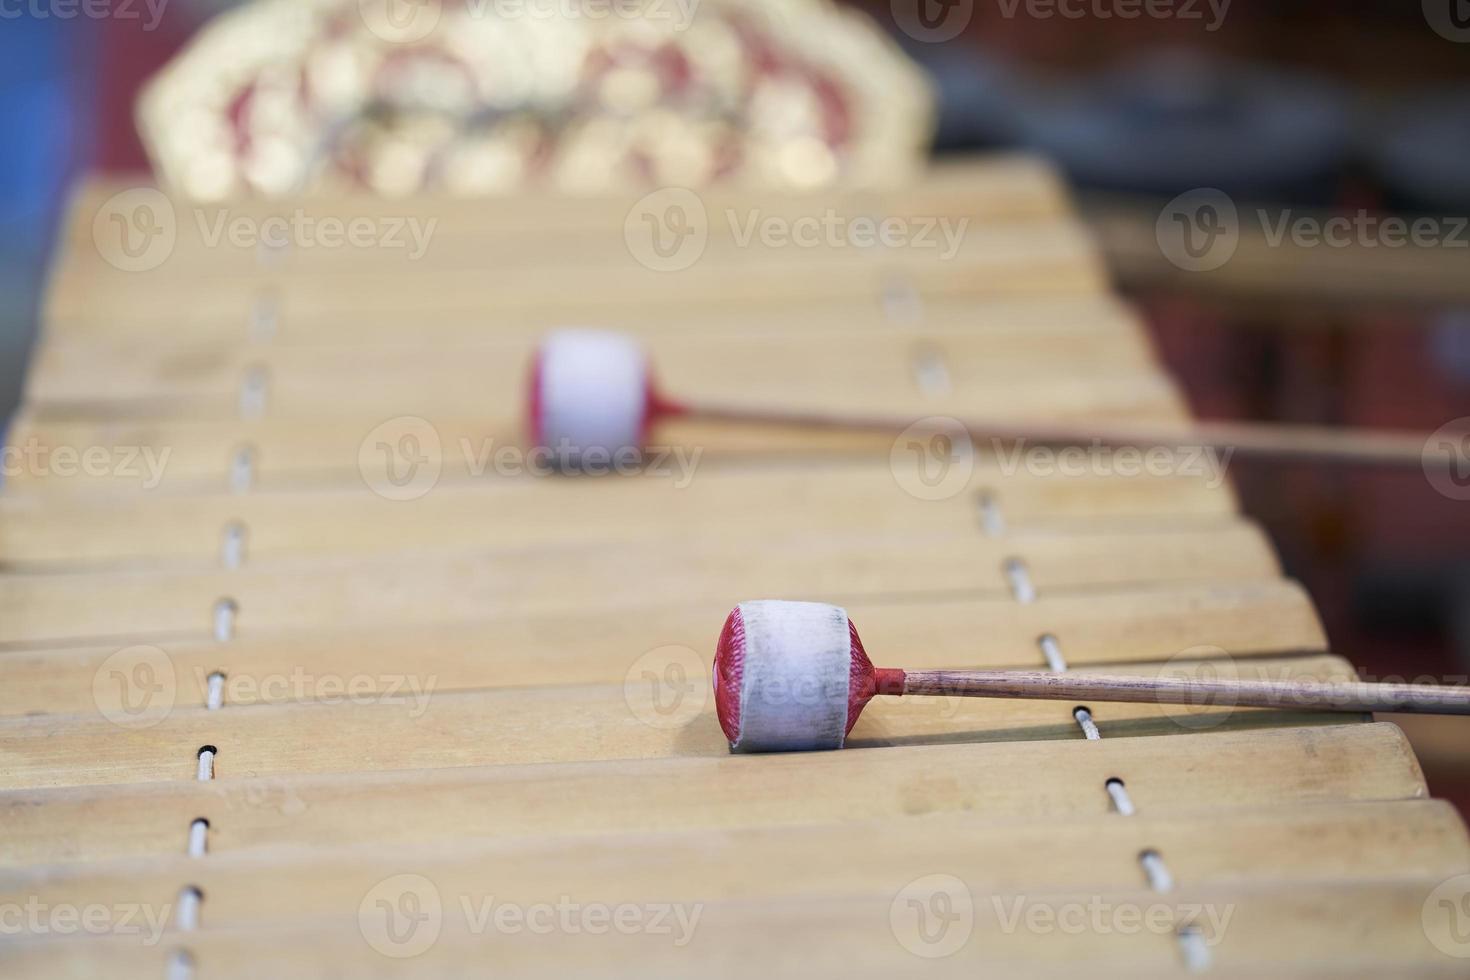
(310, 669)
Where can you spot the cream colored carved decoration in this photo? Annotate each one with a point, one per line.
(488, 96)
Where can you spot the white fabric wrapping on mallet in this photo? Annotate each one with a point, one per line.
(793, 693)
(594, 393)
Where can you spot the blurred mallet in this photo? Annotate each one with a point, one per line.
(793, 676)
(593, 391)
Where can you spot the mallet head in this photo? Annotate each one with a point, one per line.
(591, 397)
(790, 676)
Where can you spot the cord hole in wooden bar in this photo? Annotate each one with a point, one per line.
(1194, 949)
(254, 389)
(992, 521)
(265, 319)
(1122, 802)
(242, 469)
(1156, 871)
(180, 965)
(186, 915)
(1051, 649)
(206, 756)
(214, 692)
(232, 547)
(198, 837)
(1083, 716)
(1019, 577)
(902, 305)
(226, 611)
(930, 371)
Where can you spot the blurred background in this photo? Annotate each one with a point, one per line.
(1294, 108)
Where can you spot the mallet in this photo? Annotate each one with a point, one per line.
(593, 391)
(793, 676)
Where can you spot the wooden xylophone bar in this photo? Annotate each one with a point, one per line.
(309, 670)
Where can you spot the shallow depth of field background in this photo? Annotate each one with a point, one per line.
(1383, 88)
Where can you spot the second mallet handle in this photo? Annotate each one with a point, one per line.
(1353, 696)
(1317, 443)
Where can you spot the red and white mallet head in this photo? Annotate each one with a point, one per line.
(793, 676)
(592, 396)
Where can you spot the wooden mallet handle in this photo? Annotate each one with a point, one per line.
(1373, 447)
(1351, 696)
